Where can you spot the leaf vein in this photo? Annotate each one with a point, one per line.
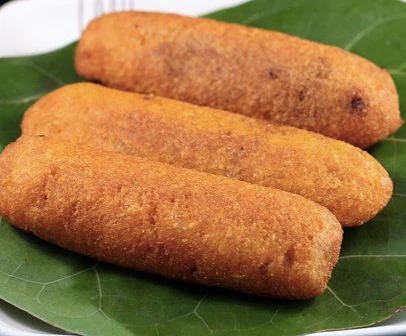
(397, 73)
(13, 272)
(399, 68)
(342, 302)
(373, 256)
(395, 139)
(325, 319)
(49, 282)
(41, 70)
(99, 288)
(199, 316)
(270, 321)
(258, 16)
(367, 30)
(22, 100)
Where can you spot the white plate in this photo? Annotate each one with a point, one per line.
(24, 30)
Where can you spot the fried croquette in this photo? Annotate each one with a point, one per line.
(171, 221)
(343, 178)
(258, 73)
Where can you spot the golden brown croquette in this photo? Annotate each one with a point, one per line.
(161, 219)
(258, 73)
(343, 178)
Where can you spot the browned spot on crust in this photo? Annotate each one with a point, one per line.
(289, 257)
(152, 214)
(192, 269)
(358, 104)
(53, 170)
(302, 95)
(263, 268)
(272, 74)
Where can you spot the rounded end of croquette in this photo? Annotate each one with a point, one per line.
(325, 256)
(368, 193)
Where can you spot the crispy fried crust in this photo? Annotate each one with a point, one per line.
(345, 179)
(179, 223)
(258, 73)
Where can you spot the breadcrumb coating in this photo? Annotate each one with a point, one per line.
(341, 177)
(161, 219)
(259, 73)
